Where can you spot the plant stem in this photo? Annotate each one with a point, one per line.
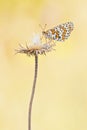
(33, 92)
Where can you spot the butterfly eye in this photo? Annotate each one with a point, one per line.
(43, 32)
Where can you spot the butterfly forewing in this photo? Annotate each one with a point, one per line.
(60, 32)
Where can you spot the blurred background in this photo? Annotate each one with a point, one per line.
(60, 101)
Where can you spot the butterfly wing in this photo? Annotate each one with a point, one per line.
(60, 32)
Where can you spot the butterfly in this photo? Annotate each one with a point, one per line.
(60, 32)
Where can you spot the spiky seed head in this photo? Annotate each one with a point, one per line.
(36, 47)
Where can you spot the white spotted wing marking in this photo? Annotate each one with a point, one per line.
(60, 32)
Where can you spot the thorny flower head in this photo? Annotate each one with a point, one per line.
(37, 47)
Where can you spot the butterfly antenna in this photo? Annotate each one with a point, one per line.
(43, 28)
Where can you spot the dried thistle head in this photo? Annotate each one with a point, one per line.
(36, 48)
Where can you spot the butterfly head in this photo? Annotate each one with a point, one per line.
(46, 34)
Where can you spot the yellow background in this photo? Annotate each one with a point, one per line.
(60, 101)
